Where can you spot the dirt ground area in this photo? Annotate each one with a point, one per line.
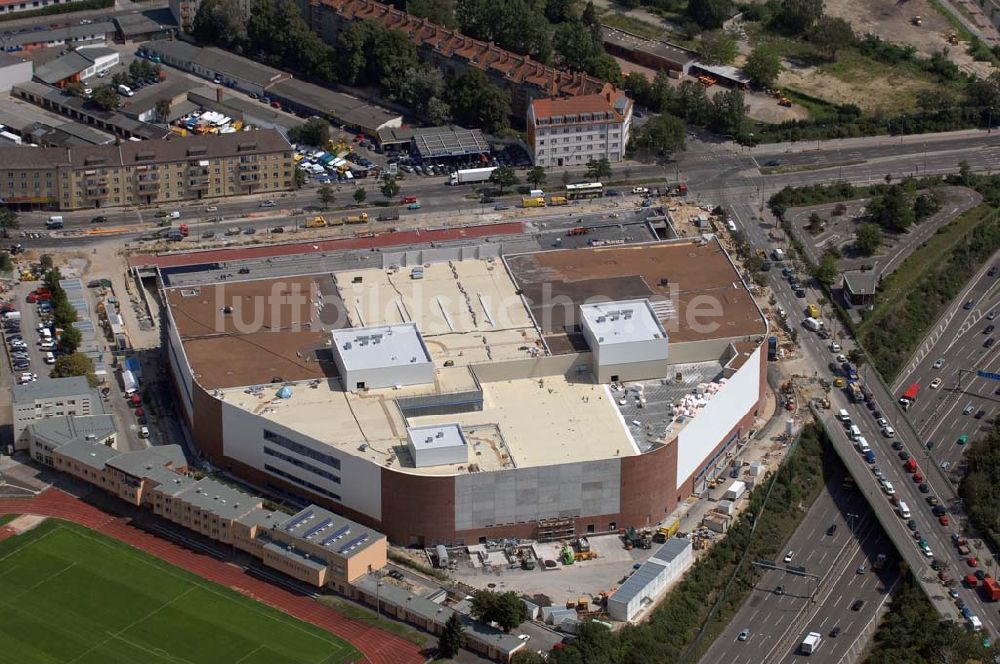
(893, 21)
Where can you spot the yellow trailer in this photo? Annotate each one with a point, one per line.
(357, 218)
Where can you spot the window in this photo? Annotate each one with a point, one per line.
(302, 464)
(301, 482)
(288, 444)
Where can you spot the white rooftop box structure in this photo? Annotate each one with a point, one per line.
(626, 338)
(648, 583)
(437, 445)
(383, 356)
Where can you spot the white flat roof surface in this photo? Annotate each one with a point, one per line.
(380, 346)
(436, 437)
(623, 321)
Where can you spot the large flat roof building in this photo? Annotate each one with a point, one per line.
(512, 424)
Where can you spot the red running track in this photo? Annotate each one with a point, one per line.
(378, 646)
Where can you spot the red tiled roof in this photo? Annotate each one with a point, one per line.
(483, 55)
(603, 102)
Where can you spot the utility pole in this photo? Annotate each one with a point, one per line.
(850, 521)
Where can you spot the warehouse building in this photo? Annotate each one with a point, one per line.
(147, 172)
(653, 53)
(78, 65)
(337, 107)
(98, 33)
(13, 70)
(496, 355)
(648, 583)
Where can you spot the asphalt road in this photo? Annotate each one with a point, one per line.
(777, 623)
(958, 340)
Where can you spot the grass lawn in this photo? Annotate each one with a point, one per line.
(70, 595)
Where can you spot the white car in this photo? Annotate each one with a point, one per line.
(939, 363)
(834, 347)
(143, 432)
(841, 358)
(49, 358)
(640, 190)
(26, 377)
(888, 431)
(936, 383)
(267, 204)
(888, 488)
(524, 637)
(211, 208)
(789, 556)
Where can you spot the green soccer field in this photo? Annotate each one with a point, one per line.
(69, 595)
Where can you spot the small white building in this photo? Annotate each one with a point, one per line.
(13, 70)
(627, 340)
(52, 398)
(565, 131)
(650, 581)
(381, 356)
(437, 445)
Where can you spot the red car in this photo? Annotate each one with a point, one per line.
(39, 296)
(972, 561)
(918, 477)
(943, 519)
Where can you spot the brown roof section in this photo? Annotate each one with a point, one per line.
(487, 56)
(695, 289)
(271, 329)
(602, 102)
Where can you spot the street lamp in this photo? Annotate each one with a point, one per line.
(850, 520)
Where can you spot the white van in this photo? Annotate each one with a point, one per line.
(125, 90)
(863, 445)
(975, 624)
(844, 416)
(904, 511)
(50, 358)
(855, 432)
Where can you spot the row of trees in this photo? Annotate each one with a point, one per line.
(63, 313)
(724, 114)
(978, 486)
(366, 54)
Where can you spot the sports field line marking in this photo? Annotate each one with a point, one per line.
(257, 606)
(31, 542)
(159, 652)
(247, 655)
(114, 635)
(9, 599)
(9, 570)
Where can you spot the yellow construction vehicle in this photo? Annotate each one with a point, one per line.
(558, 200)
(585, 555)
(356, 218)
(316, 222)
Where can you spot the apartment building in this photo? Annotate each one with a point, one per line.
(449, 49)
(147, 172)
(570, 131)
(52, 398)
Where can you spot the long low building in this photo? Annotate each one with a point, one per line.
(450, 393)
(147, 172)
(234, 71)
(648, 583)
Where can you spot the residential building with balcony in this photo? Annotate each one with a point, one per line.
(570, 131)
(147, 172)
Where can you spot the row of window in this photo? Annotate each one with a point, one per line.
(301, 482)
(302, 464)
(577, 148)
(289, 444)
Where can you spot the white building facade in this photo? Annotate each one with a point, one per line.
(574, 130)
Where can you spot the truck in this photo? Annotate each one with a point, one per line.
(319, 221)
(681, 189)
(55, 221)
(854, 392)
(533, 201)
(735, 490)
(184, 230)
(813, 324)
(471, 175)
(810, 643)
(129, 384)
(388, 215)
(909, 396)
(558, 200)
(991, 588)
(772, 349)
(356, 218)
(813, 310)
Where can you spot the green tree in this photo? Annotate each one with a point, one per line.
(70, 339)
(598, 169)
(763, 66)
(664, 134)
(8, 221)
(452, 638)
(797, 16)
(536, 176)
(314, 131)
(892, 210)
(728, 114)
(856, 356)
(277, 34)
(105, 97)
(6, 264)
(516, 25)
(476, 102)
(389, 187)
(815, 224)
(925, 205)
(74, 88)
(74, 364)
(163, 110)
(423, 89)
(360, 195)
(826, 272)
(718, 47)
(326, 195)
(589, 14)
(831, 34)
(868, 239)
(560, 11)
(441, 12)
(47, 262)
(299, 177)
(504, 176)
(709, 14)
(219, 23)
(506, 609)
(581, 48)
(527, 656)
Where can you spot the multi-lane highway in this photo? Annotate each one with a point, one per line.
(784, 606)
(953, 402)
